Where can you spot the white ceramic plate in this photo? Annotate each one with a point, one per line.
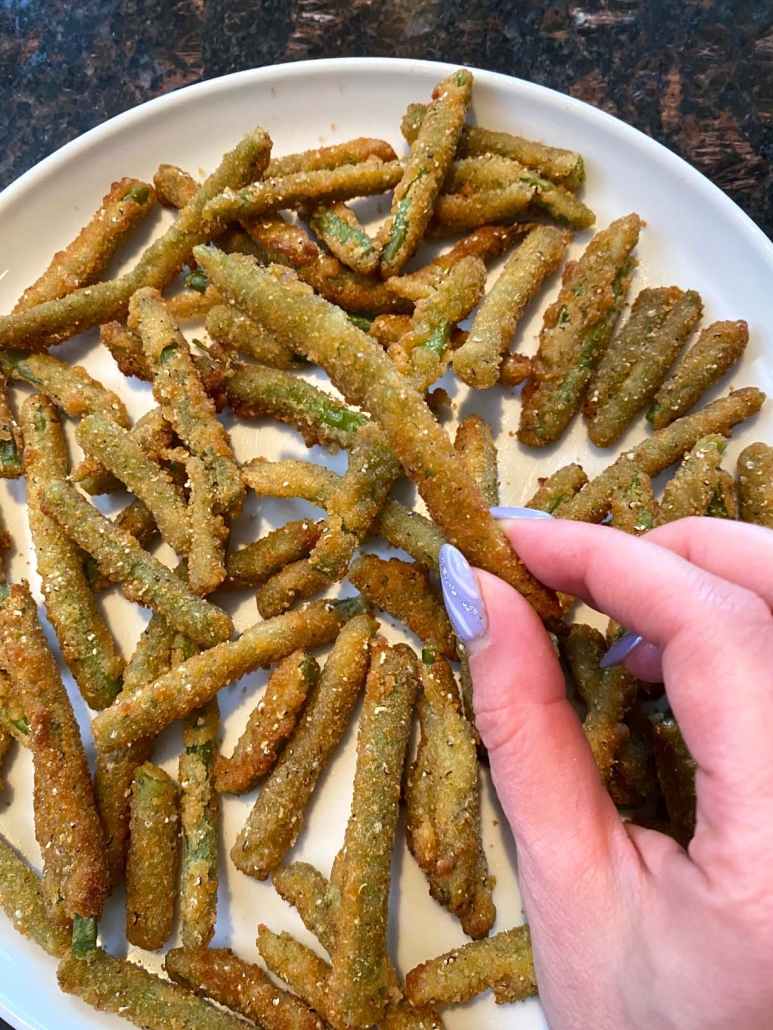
(695, 237)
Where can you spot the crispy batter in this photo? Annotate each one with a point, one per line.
(755, 484)
(21, 898)
(260, 560)
(695, 481)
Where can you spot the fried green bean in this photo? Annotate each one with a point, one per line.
(153, 858)
(67, 828)
(198, 823)
(87, 645)
(646, 372)
(561, 166)
(111, 984)
(425, 169)
(338, 227)
(576, 330)
(634, 507)
(724, 503)
(514, 370)
(361, 978)
(21, 898)
(260, 560)
(558, 489)
(295, 582)
(354, 152)
(235, 330)
(503, 963)
(405, 591)
(153, 434)
(656, 453)
(388, 329)
(290, 477)
(11, 442)
(269, 725)
(85, 259)
(676, 773)
(479, 359)
(174, 695)
(159, 264)
(694, 482)
(243, 987)
(456, 213)
(256, 392)
(301, 969)
(143, 578)
(178, 389)
(443, 825)
(634, 779)
(365, 375)
(209, 532)
(755, 484)
(12, 718)
(277, 816)
(716, 350)
(475, 445)
(411, 532)
(70, 387)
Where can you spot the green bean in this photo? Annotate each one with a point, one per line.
(558, 489)
(70, 387)
(354, 152)
(460, 212)
(301, 969)
(159, 264)
(426, 168)
(75, 874)
(475, 445)
(174, 695)
(260, 560)
(290, 477)
(153, 434)
(143, 578)
(12, 718)
(240, 986)
(576, 330)
(209, 532)
(338, 227)
(502, 962)
(111, 984)
(676, 773)
(411, 532)
(277, 816)
(647, 372)
(514, 370)
(269, 725)
(634, 507)
(21, 898)
(84, 937)
(561, 166)
(229, 327)
(716, 350)
(366, 376)
(11, 442)
(87, 645)
(755, 484)
(634, 780)
(724, 503)
(694, 483)
(295, 582)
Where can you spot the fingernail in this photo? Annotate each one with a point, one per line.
(620, 650)
(461, 595)
(519, 513)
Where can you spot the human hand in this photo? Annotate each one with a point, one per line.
(629, 930)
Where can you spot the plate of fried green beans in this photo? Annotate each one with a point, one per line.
(265, 344)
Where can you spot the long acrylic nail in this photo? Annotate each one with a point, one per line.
(519, 513)
(620, 650)
(461, 595)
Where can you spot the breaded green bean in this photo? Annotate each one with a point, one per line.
(300, 968)
(257, 392)
(67, 828)
(174, 695)
(70, 387)
(118, 451)
(11, 442)
(338, 227)
(634, 507)
(153, 434)
(425, 169)
(113, 777)
(159, 264)
(290, 477)
(227, 326)
(85, 259)
(558, 488)
(295, 582)
(562, 166)
(456, 213)
(647, 371)
(260, 560)
(198, 823)
(474, 443)
(269, 725)
(576, 330)
(360, 983)
(694, 482)
(21, 898)
(178, 389)
(654, 454)
(111, 984)
(354, 152)
(676, 773)
(143, 578)
(405, 591)
(209, 532)
(514, 370)
(724, 503)
(195, 304)
(715, 351)
(153, 858)
(12, 717)
(277, 817)
(86, 642)
(478, 360)
(411, 532)
(243, 987)
(366, 376)
(755, 484)
(634, 779)
(388, 329)
(503, 963)
(443, 826)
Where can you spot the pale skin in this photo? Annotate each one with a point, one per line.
(631, 932)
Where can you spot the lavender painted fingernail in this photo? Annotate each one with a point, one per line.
(620, 650)
(461, 595)
(519, 513)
